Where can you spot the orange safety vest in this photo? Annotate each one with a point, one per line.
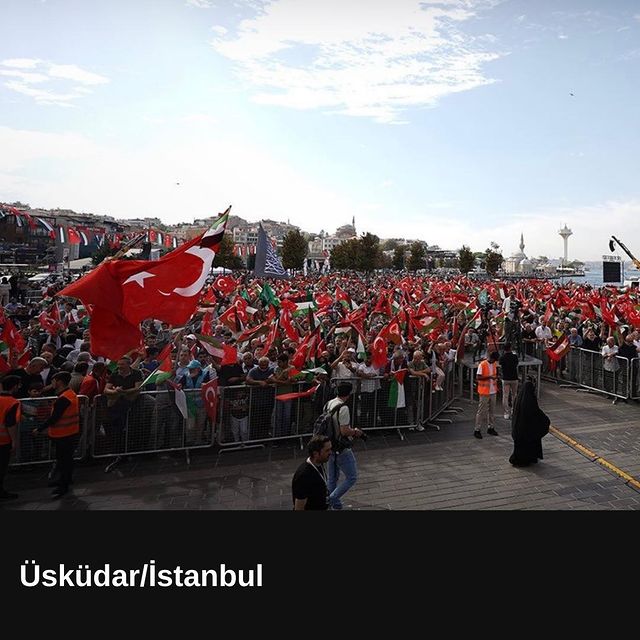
(487, 387)
(69, 423)
(6, 404)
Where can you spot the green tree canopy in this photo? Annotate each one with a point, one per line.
(417, 258)
(466, 259)
(224, 256)
(399, 257)
(294, 250)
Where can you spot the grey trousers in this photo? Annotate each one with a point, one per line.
(486, 409)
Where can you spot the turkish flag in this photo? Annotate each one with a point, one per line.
(225, 284)
(392, 332)
(12, 336)
(230, 354)
(168, 240)
(209, 392)
(285, 323)
(379, 352)
(73, 236)
(123, 293)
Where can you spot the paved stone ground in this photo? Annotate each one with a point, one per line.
(446, 469)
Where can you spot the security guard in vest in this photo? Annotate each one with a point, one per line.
(9, 419)
(487, 391)
(63, 428)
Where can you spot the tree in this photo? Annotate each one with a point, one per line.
(466, 259)
(417, 259)
(390, 245)
(398, 257)
(369, 252)
(225, 258)
(294, 250)
(386, 262)
(493, 259)
(344, 255)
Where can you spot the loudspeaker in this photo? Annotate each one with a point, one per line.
(611, 271)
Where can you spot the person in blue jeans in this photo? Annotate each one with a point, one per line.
(342, 457)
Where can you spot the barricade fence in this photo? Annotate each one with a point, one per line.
(590, 370)
(150, 422)
(158, 421)
(40, 449)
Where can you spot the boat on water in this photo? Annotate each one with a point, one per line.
(569, 272)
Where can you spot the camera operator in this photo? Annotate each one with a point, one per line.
(511, 307)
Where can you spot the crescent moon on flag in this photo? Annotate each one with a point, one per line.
(207, 256)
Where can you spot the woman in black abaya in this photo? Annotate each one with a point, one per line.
(529, 424)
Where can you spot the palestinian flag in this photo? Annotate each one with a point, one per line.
(164, 370)
(361, 352)
(212, 346)
(424, 323)
(302, 308)
(396, 390)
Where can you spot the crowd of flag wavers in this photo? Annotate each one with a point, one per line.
(131, 325)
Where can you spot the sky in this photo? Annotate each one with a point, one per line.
(450, 121)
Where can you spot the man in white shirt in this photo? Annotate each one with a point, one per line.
(344, 366)
(543, 332)
(369, 385)
(611, 364)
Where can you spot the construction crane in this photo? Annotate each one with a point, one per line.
(635, 260)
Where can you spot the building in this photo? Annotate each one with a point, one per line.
(518, 261)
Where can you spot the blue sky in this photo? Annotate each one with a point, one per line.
(449, 121)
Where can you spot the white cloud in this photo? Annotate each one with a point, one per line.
(200, 4)
(218, 169)
(359, 57)
(58, 78)
(24, 76)
(563, 36)
(75, 73)
(21, 63)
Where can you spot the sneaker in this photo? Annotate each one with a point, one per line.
(477, 434)
(7, 495)
(419, 428)
(507, 416)
(492, 431)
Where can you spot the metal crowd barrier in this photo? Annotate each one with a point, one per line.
(149, 422)
(588, 370)
(251, 415)
(40, 449)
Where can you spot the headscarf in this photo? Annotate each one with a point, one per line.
(528, 421)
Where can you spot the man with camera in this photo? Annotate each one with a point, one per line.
(511, 308)
(342, 458)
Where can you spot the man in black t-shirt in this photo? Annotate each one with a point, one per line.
(309, 485)
(509, 372)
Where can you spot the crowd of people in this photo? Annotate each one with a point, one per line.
(264, 339)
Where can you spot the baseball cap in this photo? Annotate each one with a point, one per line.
(191, 337)
(194, 364)
(351, 350)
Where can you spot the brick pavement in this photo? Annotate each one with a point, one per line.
(446, 469)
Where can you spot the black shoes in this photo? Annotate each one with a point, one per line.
(492, 431)
(7, 495)
(59, 492)
(477, 434)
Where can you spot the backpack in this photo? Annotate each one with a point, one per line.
(323, 426)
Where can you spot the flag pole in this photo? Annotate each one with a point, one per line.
(127, 246)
